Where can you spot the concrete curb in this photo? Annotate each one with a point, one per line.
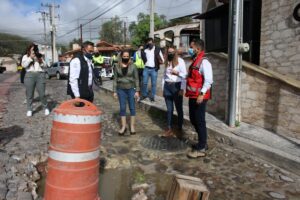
(275, 156)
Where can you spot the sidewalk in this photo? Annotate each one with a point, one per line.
(279, 150)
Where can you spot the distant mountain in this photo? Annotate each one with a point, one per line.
(12, 44)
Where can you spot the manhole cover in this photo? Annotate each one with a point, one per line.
(160, 143)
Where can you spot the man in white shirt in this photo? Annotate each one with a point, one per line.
(198, 90)
(154, 59)
(80, 81)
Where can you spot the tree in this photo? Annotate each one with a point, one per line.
(139, 31)
(112, 31)
(74, 41)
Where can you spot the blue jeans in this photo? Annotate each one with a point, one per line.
(153, 75)
(171, 95)
(126, 95)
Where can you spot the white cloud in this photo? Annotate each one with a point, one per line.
(22, 19)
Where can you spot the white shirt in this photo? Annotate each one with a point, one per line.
(75, 72)
(181, 68)
(35, 67)
(151, 57)
(206, 70)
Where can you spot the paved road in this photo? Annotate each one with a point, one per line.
(229, 173)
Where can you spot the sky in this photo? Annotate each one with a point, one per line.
(23, 17)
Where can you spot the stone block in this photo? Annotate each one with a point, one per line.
(277, 53)
(287, 33)
(295, 57)
(282, 25)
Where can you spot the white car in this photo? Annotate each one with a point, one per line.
(58, 69)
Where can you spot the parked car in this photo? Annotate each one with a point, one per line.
(58, 69)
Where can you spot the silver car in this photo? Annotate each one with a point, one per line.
(58, 69)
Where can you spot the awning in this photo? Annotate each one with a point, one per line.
(216, 12)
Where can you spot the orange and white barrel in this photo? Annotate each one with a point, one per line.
(73, 162)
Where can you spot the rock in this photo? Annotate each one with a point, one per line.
(277, 195)
(24, 196)
(140, 196)
(35, 176)
(138, 187)
(267, 166)
(17, 158)
(22, 186)
(11, 195)
(3, 191)
(286, 178)
(112, 163)
(250, 174)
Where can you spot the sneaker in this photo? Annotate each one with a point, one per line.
(196, 153)
(29, 113)
(152, 99)
(47, 111)
(142, 98)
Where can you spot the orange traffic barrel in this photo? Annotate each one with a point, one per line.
(73, 161)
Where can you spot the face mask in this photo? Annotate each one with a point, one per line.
(89, 55)
(170, 56)
(150, 46)
(191, 52)
(125, 60)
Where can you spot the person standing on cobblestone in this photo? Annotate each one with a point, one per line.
(80, 82)
(139, 59)
(198, 86)
(34, 64)
(126, 88)
(154, 59)
(173, 86)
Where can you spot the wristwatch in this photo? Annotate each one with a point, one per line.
(201, 93)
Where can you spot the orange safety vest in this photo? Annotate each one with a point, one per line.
(195, 80)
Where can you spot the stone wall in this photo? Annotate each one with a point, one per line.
(280, 37)
(265, 101)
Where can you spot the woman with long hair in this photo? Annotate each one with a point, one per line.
(173, 86)
(34, 64)
(126, 88)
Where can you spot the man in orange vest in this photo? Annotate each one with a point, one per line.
(198, 90)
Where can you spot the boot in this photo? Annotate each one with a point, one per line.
(132, 125)
(123, 129)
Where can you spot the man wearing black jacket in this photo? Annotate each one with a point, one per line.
(80, 83)
(154, 58)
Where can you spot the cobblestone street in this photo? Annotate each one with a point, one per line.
(229, 173)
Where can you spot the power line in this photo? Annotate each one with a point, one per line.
(133, 8)
(114, 6)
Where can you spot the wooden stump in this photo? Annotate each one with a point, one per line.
(187, 188)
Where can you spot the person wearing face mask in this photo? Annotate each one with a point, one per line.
(80, 80)
(98, 61)
(173, 87)
(126, 88)
(154, 58)
(139, 59)
(198, 90)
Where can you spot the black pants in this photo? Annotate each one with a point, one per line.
(140, 72)
(90, 98)
(197, 118)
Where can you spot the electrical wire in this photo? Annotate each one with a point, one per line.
(112, 7)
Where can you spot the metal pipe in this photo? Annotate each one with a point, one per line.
(233, 39)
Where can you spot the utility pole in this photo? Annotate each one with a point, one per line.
(44, 15)
(233, 61)
(151, 34)
(53, 29)
(125, 33)
(81, 39)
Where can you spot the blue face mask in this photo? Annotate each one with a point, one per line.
(191, 52)
(89, 55)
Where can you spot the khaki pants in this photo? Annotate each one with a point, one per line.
(32, 80)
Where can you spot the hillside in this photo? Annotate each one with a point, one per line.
(12, 44)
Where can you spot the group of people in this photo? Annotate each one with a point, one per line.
(130, 84)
